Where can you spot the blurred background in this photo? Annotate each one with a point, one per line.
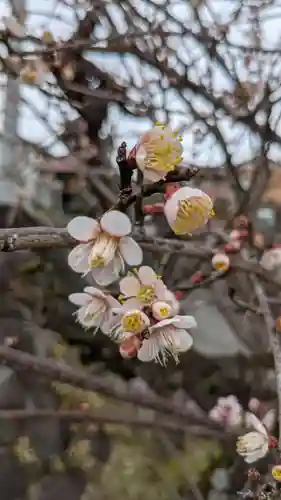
(77, 78)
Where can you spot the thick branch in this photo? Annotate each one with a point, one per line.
(65, 374)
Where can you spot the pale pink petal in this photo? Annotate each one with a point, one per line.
(109, 273)
(171, 210)
(83, 228)
(149, 350)
(147, 275)
(95, 292)
(162, 324)
(79, 299)
(160, 289)
(112, 302)
(180, 339)
(116, 223)
(78, 258)
(130, 251)
(151, 175)
(129, 286)
(109, 324)
(140, 157)
(253, 421)
(269, 419)
(185, 322)
(216, 414)
(131, 304)
(91, 315)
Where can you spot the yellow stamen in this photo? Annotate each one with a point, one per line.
(146, 294)
(132, 322)
(164, 312)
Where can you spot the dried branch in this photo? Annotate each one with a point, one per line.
(155, 422)
(61, 372)
(274, 339)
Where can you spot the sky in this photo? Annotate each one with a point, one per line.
(32, 127)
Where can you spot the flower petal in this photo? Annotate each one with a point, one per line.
(147, 275)
(79, 299)
(112, 302)
(149, 350)
(110, 324)
(161, 324)
(78, 258)
(185, 322)
(130, 251)
(116, 223)
(95, 292)
(83, 228)
(253, 421)
(181, 340)
(91, 315)
(129, 286)
(151, 175)
(131, 304)
(109, 273)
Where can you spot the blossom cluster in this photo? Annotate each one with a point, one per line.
(255, 444)
(145, 320)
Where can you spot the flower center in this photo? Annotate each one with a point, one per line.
(103, 251)
(191, 214)
(132, 322)
(146, 294)
(164, 312)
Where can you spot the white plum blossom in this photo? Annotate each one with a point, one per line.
(131, 323)
(271, 259)
(157, 152)
(13, 26)
(255, 444)
(221, 262)
(227, 411)
(188, 209)
(95, 309)
(145, 288)
(167, 338)
(104, 246)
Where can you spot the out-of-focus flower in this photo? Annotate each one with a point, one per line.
(104, 246)
(276, 473)
(227, 411)
(271, 259)
(95, 308)
(255, 444)
(188, 209)
(254, 404)
(167, 338)
(158, 151)
(13, 26)
(129, 348)
(221, 262)
(144, 288)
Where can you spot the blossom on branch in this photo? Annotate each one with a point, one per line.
(104, 246)
(95, 308)
(158, 151)
(271, 259)
(144, 288)
(167, 338)
(221, 262)
(188, 209)
(227, 411)
(255, 444)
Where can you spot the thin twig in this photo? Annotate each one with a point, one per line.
(274, 339)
